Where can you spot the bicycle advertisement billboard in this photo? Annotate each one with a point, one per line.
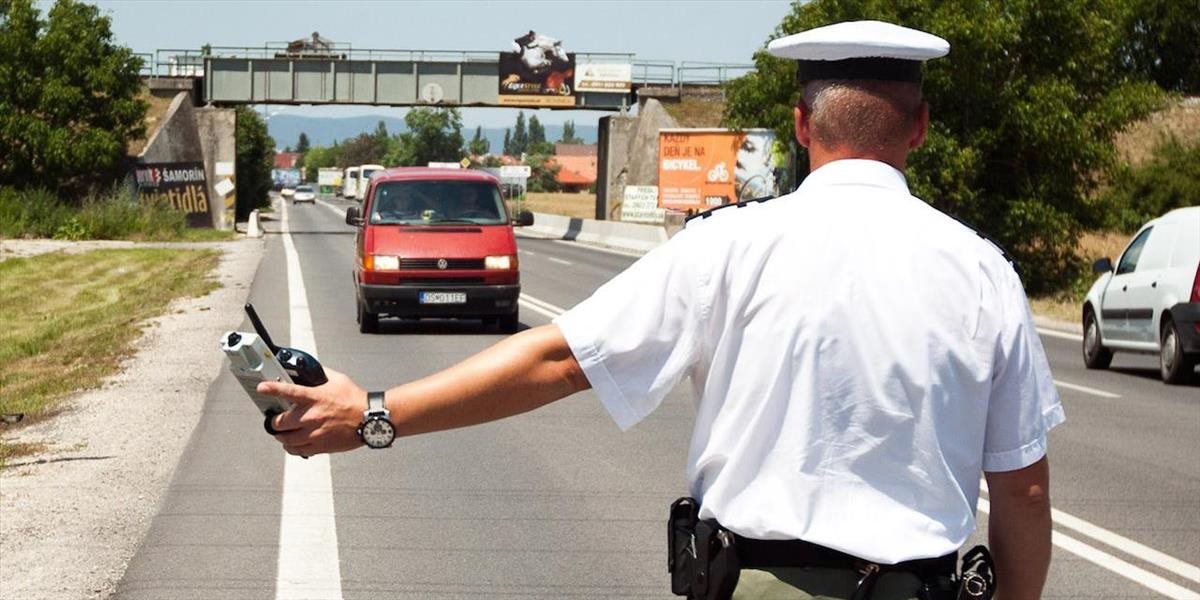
(702, 168)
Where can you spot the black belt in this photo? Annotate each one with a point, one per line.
(759, 554)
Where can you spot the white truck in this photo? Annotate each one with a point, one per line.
(329, 179)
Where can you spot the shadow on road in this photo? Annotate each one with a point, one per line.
(1153, 374)
(393, 326)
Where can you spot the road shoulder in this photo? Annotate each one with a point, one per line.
(74, 516)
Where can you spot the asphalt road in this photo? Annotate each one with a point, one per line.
(558, 503)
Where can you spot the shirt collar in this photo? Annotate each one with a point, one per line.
(857, 171)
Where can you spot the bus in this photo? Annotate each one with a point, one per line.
(364, 179)
(349, 183)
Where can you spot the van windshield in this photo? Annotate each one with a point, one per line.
(437, 203)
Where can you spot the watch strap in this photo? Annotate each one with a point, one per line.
(375, 402)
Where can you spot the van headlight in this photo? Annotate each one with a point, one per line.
(379, 262)
(500, 262)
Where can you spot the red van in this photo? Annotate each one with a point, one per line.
(435, 243)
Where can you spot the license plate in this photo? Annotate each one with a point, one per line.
(443, 298)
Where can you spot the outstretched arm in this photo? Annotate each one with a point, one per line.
(1019, 530)
(518, 374)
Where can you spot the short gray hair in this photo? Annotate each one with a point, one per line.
(861, 115)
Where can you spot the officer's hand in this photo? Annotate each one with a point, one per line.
(323, 418)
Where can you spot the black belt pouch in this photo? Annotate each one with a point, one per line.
(681, 545)
(701, 555)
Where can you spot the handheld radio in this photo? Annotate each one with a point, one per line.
(253, 357)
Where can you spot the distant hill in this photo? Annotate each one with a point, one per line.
(323, 131)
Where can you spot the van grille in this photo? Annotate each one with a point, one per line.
(442, 281)
(452, 264)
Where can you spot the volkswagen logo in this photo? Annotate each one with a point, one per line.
(442, 264)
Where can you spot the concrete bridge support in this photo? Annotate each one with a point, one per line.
(187, 134)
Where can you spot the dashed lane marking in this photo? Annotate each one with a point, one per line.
(1085, 389)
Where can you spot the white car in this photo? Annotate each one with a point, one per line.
(304, 193)
(1150, 302)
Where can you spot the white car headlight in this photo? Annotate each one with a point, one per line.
(385, 263)
(498, 262)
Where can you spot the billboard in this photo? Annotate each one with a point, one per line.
(537, 72)
(702, 168)
(640, 204)
(182, 185)
(285, 177)
(612, 78)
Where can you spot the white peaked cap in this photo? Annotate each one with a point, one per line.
(860, 39)
(860, 50)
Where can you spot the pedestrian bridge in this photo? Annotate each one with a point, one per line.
(273, 75)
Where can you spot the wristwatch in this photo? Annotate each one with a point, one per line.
(376, 430)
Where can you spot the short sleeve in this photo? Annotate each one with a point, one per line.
(638, 335)
(1024, 403)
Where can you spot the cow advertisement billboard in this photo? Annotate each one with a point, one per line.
(702, 168)
(537, 72)
(181, 185)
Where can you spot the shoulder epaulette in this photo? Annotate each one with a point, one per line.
(1008, 257)
(743, 203)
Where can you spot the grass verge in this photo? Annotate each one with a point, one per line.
(67, 320)
(582, 206)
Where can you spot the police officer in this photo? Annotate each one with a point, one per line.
(859, 358)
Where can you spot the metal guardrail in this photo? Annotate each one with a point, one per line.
(708, 73)
(172, 62)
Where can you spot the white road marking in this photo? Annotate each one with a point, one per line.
(1126, 545)
(340, 212)
(540, 306)
(559, 261)
(1086, 390)
(308, 550)
(1133, 573)
(1066, 335)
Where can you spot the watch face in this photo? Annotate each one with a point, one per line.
(378, 432)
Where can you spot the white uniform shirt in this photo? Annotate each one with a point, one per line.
(858, 358)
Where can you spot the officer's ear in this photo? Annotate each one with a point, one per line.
(920, 126)
(801, 115)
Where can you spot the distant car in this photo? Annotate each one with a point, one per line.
(304, 193)
(1150, 302)
(287, 191)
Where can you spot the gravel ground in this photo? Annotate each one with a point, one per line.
(72, 517)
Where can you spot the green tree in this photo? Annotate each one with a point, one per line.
(364, 149)
(1161, 43)
(507, 142)
(432, 135)
(69, 105)
(302, 144)
(479, 145)
(537, 138)
(568, 134)
(1167, 181)
(1023, 113)
(543, 171)
(520, 137)
(255, 157)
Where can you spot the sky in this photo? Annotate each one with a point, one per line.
(705, 31)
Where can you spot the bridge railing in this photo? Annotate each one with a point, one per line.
(654, 72)
(709, 73)
(190, 62)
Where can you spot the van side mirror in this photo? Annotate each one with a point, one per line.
(524, 219)
(354, 216)
(1103, 265)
